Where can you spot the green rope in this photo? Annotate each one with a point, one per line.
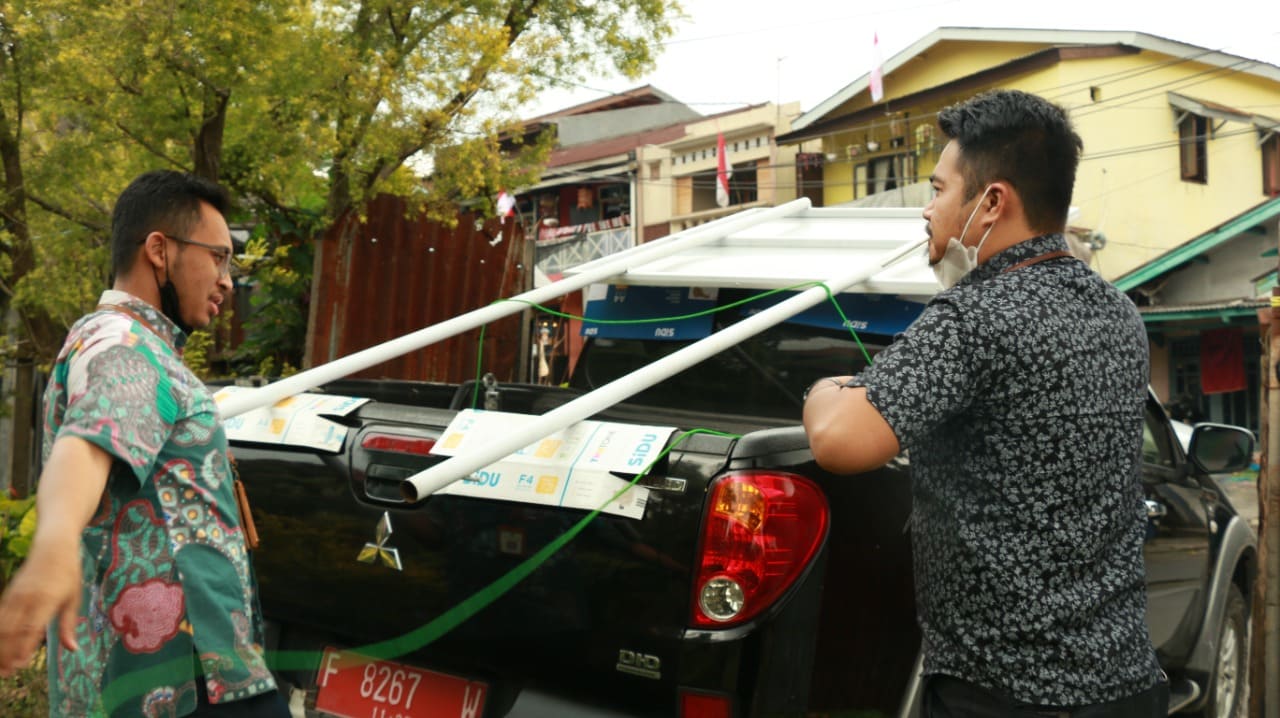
(844, 321)
(139, 682)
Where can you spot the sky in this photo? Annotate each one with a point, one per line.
(730, 53)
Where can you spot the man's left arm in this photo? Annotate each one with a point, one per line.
(929, 374)
(847, 434)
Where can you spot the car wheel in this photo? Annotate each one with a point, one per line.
(1226, 698)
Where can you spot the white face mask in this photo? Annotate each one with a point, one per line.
(958, 260)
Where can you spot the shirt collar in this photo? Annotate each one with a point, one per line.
(1019, 252)
(155, 320)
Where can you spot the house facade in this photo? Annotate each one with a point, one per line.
(1175, 197)
(640, 165)
(678, 177)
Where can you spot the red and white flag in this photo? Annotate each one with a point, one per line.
(877, 70)
(724, 170)
(505, 205)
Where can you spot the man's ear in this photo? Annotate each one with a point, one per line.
(153, 250)
(1001, 199)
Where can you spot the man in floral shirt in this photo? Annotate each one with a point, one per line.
(139, 566)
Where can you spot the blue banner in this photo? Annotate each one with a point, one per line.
(867, 313)
(632, 303)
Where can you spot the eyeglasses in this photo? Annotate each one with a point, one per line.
(221, 254)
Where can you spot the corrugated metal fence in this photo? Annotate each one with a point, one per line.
(391, 275)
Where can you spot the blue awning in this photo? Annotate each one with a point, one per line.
(866, 313)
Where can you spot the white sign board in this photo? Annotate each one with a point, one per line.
(570, 468)
(297, 420)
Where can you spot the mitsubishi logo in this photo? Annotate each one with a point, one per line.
(380, 551)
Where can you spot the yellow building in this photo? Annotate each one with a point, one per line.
(1178, 190)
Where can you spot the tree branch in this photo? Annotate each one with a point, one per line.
(516, 22)
(396, 32)
(148, 147)
(186, 68)
(59, 210)
(264, 196)
(125, 87)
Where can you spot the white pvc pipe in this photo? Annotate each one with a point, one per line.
(590, 273)
(425, 483)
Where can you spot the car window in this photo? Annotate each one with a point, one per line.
(765, 375)
(1150, 452)
(1156, 445)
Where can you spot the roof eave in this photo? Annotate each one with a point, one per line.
(981, 78)
(1052, 37)
(1196, 246)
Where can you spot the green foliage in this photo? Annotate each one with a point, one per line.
(25, 694)
(69, 275)
(280, 281)
(17, 526)
(196, 353)
(303, 109)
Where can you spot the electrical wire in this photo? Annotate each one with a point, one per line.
(826, 22)
(1179, 83)
(705, 179)
(1099, 80)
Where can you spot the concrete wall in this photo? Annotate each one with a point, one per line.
(1129, 185)
(1226, 275)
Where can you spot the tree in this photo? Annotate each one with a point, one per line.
(23, 47)
(409, 80)
(304, 108)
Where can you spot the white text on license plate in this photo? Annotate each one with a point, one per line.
(355, 686)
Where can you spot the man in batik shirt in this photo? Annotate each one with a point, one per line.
(138, 566)
(1019, 395)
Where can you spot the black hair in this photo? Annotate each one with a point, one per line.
(159, 201)
(1022, 139)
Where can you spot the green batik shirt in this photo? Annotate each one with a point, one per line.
(167, 577)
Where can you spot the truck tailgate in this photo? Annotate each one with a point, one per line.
(604, 616)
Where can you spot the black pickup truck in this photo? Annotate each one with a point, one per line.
(754, 585)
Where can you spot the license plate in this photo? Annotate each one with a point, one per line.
(355, 686)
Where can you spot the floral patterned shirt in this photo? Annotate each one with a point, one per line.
(1019, 395)
(167, 578)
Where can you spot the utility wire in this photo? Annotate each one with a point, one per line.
(827, 22)
(1101, 79)
(705, 179)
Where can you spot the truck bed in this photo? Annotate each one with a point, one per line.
(622, 588)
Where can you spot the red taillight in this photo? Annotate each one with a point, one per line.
(704, 705)
(401, 444)
(761, 530)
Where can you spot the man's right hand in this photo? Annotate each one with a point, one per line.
(46, 588)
